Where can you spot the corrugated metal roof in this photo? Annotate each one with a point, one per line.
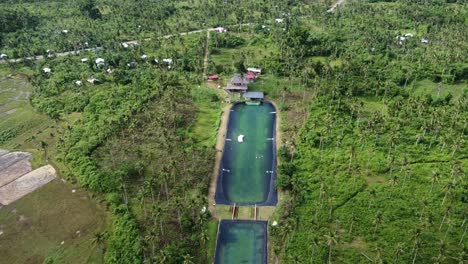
(254, 95)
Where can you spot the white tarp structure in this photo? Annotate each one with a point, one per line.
(240, 138)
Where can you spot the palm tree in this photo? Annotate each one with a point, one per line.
(435, 178)
(377, 221)
(398, 251)
(187, 259)
(330, 240)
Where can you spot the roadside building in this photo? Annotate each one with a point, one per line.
(3, 56)
(250, 76)
(100, 61)
(213, 77)
(128, 44)
(257, 71)
(238, 83)
(220, 29)
(93, 80)
(47, 70)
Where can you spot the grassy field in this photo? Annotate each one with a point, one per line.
(32, 228)
(208, 115)
(437, 91)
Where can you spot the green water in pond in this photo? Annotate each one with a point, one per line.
(247, 166)
(241, 242)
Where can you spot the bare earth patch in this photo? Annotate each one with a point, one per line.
(17, 178)
(13, 165)
(26, 184)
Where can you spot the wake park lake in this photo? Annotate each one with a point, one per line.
(247, 170)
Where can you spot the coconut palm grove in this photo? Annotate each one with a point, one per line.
(222, 131)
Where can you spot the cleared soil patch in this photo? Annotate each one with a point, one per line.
(13, 165)
(26, 184)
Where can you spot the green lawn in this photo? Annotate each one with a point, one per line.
(208, 115)
(35, 226)
(424, 87)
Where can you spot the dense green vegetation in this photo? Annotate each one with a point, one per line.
(378, 171)
(373, 126)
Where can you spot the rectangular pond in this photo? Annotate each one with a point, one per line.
(241, 241)
(247, 170)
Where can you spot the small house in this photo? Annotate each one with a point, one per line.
(100, 61)
(168, 61)
(409, 35)
(279, 20)
(93, 80)
(132, 64)
(253, 98)
(109, 71)
(238, 83)
(3, 56)
(128, 44)
(65, 31)
(144, 57)
(250, 76)
(83, 60)
(220, 29)
(214, 77)
(424, 41)
(47, 70)
(257, 71)
(78, 83)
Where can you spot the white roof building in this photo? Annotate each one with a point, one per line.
(100, 61)
(93, 80)
(3, 56)
(424, 41)
(65, 31)
(168, 61)
(130, 43)
(409, 35)
(220, 29)
(255, 70)
(144, 57)
(84, 59)
(279, 20)
(78, 83)
(47, 70)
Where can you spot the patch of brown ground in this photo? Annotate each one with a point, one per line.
(26, 184)
(374, 179)
(13, 165)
